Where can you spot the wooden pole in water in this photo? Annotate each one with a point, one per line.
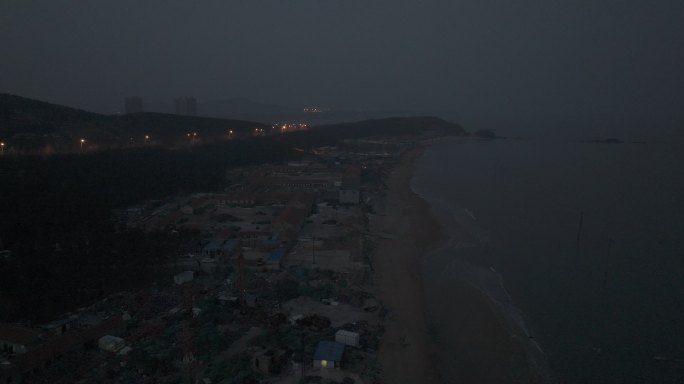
(605, 271)
(579, 229)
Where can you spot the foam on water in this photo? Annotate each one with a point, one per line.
(519, 203)
(466, 263)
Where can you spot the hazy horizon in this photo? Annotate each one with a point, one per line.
(485, 64)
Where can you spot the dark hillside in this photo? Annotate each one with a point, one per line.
(33, 123)
(22, 115)
(391, 127)
(172, 128)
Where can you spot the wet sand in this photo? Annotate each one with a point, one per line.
(469, 345)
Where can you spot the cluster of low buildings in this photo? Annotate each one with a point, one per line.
(278, 274)
(262, 213)
(25, 351)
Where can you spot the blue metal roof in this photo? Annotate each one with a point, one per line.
(220, 245)
(329, 350)
(277, 255)
(213, 245)
(230, 244)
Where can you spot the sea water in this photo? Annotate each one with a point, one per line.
(606, 308)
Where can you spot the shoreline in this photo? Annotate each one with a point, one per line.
(429, 337)
(406, 352)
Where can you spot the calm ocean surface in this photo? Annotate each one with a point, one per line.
(610, 311)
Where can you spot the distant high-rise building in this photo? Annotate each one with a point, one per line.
(133, 104)
(185, 106)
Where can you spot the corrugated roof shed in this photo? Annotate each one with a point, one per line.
(58, 323)
(329, 350)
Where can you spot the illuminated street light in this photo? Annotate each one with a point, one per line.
(82, 142)
(147, 139)
(2, 148)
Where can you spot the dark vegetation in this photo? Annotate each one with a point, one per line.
(56, 223)
(59, 247)
(32, 124)
(22, 115)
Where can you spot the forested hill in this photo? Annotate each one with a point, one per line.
(37, 126)
(19, 115)
(25, 118)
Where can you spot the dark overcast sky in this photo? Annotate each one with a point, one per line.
(488, 59)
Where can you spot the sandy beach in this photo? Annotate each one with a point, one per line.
(479, 348)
